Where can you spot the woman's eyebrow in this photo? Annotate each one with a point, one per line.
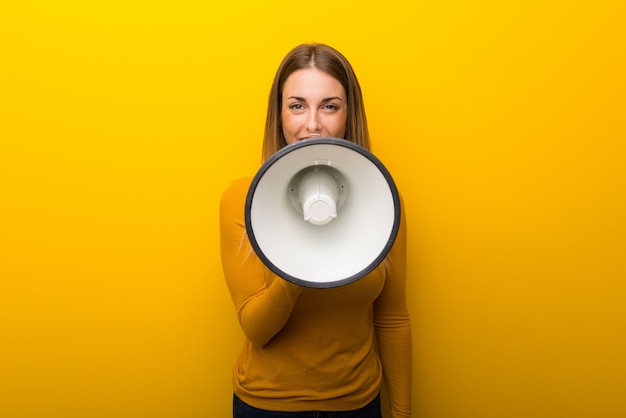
(328, 99)
(324, 100)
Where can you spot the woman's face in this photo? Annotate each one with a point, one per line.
(314, 104)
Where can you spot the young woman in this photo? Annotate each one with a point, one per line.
(309, 350)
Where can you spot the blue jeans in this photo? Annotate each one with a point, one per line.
(243, 410)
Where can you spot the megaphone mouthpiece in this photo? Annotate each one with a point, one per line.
(317, 192)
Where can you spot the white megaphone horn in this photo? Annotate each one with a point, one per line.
(322, 212)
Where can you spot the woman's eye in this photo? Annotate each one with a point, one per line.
(331, 107)
(296, 106)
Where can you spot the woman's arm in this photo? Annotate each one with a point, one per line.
(262, 310)
(393, 329)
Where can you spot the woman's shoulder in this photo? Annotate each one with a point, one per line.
(241, 184)
(237, 188)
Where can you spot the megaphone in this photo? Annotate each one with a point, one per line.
(322, 212)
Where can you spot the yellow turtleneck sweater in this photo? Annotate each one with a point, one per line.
(316, 349)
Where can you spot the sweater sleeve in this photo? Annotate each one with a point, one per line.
(393, 328)
(262, 308)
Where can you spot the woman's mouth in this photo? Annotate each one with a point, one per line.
(311, 136)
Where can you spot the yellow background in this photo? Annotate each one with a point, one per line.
(121, 122)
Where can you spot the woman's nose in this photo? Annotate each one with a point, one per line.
(313, 122)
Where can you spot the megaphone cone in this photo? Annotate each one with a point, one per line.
(322, 212)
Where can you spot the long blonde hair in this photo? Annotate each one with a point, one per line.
(332, 62)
